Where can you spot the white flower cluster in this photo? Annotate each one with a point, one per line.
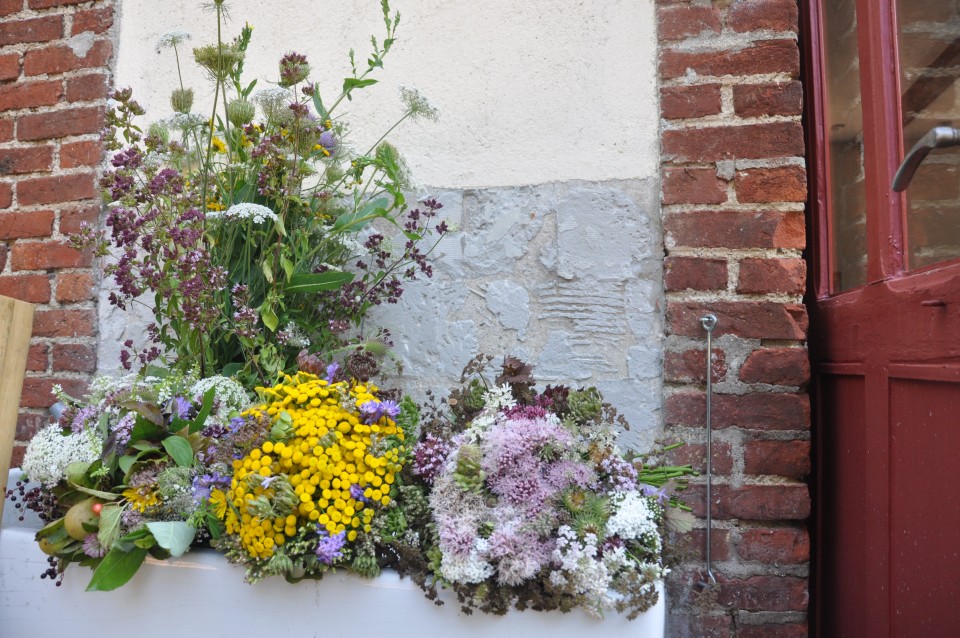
(467, 569)
(581, 570)
(498, 398)
(245, 210)
(50, 452)
(417, 105)
(274, 102)
(184, 121)
(633, 517)
(295, 336)
(172, 39)
(231, 394)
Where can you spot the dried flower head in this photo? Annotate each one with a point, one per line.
(219, 60)
(171, 39)
(418, 105)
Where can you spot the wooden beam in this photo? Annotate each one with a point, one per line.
(16, 326)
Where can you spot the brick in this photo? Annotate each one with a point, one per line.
(29, 288)
(26, 95)
(695, 455)
(28, 30)
(73, 121)
(751, 141)
(758, 100)
(56, 189)
(747, 319)
(685, 102)
(15, 225)
(78, 154)
(47, 255)
(695, 624)
(6, 195)
(9, 67)
(736, 229)
(777, 366)
(781, 546)
(30, 423)
(17, 161)
(765, 593)
(778, 458)
(96, 21)
(3, 255)
(760, 185)
(752, 502)
(761, 276)
(46, 4)
(73, 287)
(694, 273)
(9, 7)
(84, 88)
(773, 630)
(60, 59)
(763, 15)
(16, 458)
(765, 56)
(37, 392)
(682, 21)
(689, 366)
(687, 185)
(74, 357)
(694, 544)
(753, 411)
(65, 323)
(72, 218)
(37, 357)
(6, 130)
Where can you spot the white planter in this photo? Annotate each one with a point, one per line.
(203, 595)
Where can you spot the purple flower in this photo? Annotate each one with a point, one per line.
(328, 141)
(357, 493)
(92, 547)
(661, 494)
(205, 482)
(332, 371)
(181, 408)
(329, 548)
(373, 411)
(123, 429)
(429, 457)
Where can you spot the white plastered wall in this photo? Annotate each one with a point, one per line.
(546, 158)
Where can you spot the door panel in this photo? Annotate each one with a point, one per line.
(885, 343)
(925, 505)
(842, 562)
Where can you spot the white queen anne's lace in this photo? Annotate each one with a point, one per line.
(246, 210)
(50, 452)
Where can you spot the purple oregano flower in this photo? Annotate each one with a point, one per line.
(330, 548)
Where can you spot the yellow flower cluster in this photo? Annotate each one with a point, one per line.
(331, 451)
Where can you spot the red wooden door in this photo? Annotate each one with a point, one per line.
(885, 310)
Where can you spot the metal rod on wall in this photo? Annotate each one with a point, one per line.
(709, 322)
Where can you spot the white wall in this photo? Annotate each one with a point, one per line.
(546, 158)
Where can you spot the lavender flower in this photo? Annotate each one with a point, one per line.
(332, 371)
(429, 457)
(330, 548)
(373, 411)
(92, 547)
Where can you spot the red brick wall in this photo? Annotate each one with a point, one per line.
(734, 186)
(55, 58)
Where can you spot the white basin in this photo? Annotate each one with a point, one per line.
(201, 594)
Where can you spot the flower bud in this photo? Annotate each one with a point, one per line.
(240, 112)
(293, 69)
(181, 100)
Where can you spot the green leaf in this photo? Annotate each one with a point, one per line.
(370, 211)
(267, 270)
(173, 536)
(126, 462)
(109, 496)
(231, 369)
(355, 83)
(148, 411)
(269, 317)
(179, 450)
(318, 103)
(412, 236)
(249, 89)
(109, 530)
(205, 409)
(144, 446)
(315, 282)
(145, 429)
(116, 569)
(287, 266)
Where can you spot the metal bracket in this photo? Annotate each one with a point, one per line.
(709, 322)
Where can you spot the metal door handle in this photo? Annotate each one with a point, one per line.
(937, 137)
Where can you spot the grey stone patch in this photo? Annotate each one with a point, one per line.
(510, 302)
(81, 44)
(644, 362)
(602, 234)
(498, 224)
(639, 403)
(558, 363)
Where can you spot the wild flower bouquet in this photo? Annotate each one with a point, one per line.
(525, 500)
(127, 472)
(256, 231)
(303, 500)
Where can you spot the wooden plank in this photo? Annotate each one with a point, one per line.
(16, 326)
